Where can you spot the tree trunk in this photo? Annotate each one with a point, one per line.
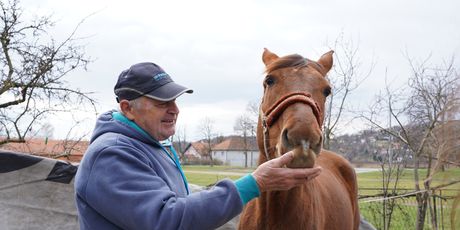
(422, 203)
(327, 138)
(210, 153)
(432, 207)
(245, 159)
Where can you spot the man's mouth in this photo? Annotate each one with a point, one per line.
(168, 121)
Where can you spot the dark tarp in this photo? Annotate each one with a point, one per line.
(36, 193)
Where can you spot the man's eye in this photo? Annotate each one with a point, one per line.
(165, 104)
(162, 105)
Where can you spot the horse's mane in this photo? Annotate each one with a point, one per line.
(293, 60)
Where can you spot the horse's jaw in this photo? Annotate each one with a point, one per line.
(304, 156)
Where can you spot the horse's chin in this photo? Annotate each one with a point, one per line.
(303, 157)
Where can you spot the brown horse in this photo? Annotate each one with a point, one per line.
(291, 117)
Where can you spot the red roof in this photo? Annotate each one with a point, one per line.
(236, 143)
(199, 146)
(59, 149)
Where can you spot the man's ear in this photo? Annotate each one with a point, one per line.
(126, 109)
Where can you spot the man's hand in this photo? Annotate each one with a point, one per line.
(272, 175)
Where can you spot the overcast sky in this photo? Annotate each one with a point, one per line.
(215, 47)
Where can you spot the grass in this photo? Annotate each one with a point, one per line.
(215, 168)
(406, 181)
(404, 215)
(369, 183)
(207, 175)
(202, 175)
(206, 179)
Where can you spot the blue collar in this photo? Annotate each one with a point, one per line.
(122, 118)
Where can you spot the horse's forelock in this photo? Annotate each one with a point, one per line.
(293, 60)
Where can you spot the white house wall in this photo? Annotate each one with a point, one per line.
(236, 158)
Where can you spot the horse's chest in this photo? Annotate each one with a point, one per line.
(319, 207)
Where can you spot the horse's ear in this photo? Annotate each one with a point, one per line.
(268, 57)
(326, 61)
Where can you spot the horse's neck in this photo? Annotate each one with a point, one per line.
(288, 197)
(296, 203)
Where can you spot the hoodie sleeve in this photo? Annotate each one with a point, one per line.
(124, 188)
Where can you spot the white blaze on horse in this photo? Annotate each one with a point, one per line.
(291, 118)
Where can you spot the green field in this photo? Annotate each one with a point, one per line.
(207, 175)
(206, 179)
(216, 168)
(201, 175)
(373, 180)
(369, 183)
(404, 215)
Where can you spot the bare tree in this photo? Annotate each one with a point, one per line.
(418, 111)
(45, 131)
(71, 143)
(206, 129)
(32, 70)
(245, 126)
(392, 161)
(252, 111)
(247, 122)
(180, 141)
(347, 76)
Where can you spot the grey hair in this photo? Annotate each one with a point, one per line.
(134, 103)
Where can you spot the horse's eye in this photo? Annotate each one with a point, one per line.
(327, 91)
(269, 80)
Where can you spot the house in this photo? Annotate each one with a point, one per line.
(236, 151)
(67, 150)
(196, 150)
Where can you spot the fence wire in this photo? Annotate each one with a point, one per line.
(398, 210)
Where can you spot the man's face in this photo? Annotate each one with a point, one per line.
(157, 118)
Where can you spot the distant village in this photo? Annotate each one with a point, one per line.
(363, 148)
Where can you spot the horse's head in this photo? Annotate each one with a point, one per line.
(292, 108)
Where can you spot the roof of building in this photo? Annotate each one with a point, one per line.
(237, 143)
(50, 148)
(199, 146)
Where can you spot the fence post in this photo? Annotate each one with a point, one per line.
(435, 213)
(442, 208)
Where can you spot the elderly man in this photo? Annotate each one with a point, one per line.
(129, 180)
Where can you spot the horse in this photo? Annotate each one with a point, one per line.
(291, 116)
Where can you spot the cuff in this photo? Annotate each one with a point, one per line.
(247, 188)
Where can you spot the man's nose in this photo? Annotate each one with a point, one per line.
(173, 108)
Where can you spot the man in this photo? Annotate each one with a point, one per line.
(128, 180)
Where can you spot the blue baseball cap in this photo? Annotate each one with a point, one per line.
(150, 80)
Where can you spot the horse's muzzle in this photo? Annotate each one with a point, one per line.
(304, 152)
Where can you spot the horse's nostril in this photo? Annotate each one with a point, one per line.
(318, 146)
(284, 138)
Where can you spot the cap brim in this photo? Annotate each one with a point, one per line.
(168, 92)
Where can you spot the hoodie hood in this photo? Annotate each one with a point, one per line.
(107, 123)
